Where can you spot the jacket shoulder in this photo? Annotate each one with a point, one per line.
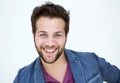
(81, 55)
(25, 73)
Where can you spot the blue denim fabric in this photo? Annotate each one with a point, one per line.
(86, 68)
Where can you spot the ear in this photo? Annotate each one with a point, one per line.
(33, 33)
(67, 34)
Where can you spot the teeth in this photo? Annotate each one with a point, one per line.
(52, 50)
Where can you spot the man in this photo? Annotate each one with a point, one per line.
(55, 64)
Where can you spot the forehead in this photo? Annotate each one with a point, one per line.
(50, 24)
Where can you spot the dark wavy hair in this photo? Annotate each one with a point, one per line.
(51, 10)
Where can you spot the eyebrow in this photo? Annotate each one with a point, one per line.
(59, 32)
(42, 32)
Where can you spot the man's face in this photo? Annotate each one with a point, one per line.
(50, 38)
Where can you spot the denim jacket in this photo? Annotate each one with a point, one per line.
(86, 68)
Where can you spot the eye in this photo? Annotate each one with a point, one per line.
(58, 35)
(42, 35)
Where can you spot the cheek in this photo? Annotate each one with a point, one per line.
(62, 42)
(38, 42)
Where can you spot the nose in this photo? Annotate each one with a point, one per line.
(50, 42)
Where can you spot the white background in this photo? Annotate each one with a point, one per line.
(94, 27)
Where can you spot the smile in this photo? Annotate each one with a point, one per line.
(49, 50)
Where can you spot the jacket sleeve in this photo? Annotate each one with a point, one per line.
(110, 73)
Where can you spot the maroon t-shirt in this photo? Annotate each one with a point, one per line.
(67, 79)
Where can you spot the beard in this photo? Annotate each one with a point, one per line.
(52, 60)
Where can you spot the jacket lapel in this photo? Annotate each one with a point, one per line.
(38, 75)
(76, 67)
(77, 72)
